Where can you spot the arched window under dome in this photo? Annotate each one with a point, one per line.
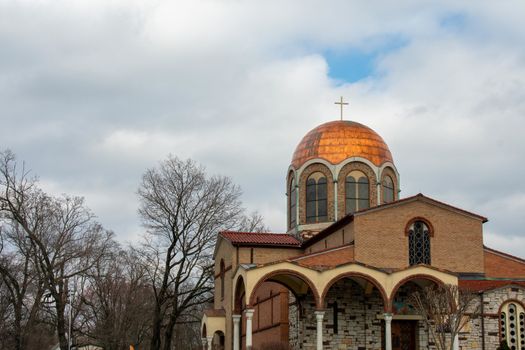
(357, 192)
(512, 325)
(316, 198)
(292, 204)
(419, 243)
(388, 189)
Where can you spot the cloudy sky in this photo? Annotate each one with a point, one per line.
(92, 93)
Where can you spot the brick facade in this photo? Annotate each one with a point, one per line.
(457, 243)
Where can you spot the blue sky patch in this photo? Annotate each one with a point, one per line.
(454, 21)
(353, 64)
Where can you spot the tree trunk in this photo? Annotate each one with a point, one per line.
(168, 334)
(18, 326)
(61, 325)
(155, 331)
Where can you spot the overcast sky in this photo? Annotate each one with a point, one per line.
(92, 93)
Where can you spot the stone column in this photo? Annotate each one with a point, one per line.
(210, 342)
(388, 331)
(249, 317)
(236, 331)
(319, 315)
(203, 340)
(456, 342)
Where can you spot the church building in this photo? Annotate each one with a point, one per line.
(353, 253)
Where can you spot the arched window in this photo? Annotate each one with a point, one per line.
(388, 189)
(419, 243)
(316, 198)
(512, 325)
(222, 278)
(357, 191)
(293, 203)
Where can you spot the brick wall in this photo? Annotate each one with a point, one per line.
(457, 243)
(498, 265)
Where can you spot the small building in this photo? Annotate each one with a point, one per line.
(354, 252)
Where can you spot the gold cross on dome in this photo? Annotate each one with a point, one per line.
(341, 103)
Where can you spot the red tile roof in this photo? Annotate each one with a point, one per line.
(482, 285)
(265, 239)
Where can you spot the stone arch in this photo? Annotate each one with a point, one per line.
(411, 278)
(303, 177)
(352, 275)
(274, 277)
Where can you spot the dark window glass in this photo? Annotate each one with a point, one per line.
(388, 190)
(316, 200)
(321, 188)
(222, 278)
(311, 193)
(357, 194)
(419, 244)
(293, 204)
(351, 205)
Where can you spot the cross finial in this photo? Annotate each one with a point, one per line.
(341, 103)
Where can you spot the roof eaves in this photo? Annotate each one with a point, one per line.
(421, 196)
(505, 255)
(345, 220)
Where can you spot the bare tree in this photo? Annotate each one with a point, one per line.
(23, 287)
(117, 302)
(183, 209)
(64, 239)
(446, 309)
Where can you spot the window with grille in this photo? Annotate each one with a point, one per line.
(357, 192)
(316, 198)
(512, 322)
(419, 243)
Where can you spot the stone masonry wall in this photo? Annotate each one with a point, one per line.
(358, 326)
(470, 338)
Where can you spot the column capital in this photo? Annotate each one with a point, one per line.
(249, 313)
(388, 316)
(319, 314)
(204, 341)
(236, 318)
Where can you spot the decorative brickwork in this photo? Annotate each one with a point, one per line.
(341, 185)
(316, 167)
(387, 171)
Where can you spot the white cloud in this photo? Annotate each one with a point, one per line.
(95, 92)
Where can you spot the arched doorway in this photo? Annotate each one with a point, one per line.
(354, 305)
(276, 305)
(409, 331)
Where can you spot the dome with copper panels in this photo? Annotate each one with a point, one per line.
(339, 140)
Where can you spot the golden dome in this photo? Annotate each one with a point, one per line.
(339, 140)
